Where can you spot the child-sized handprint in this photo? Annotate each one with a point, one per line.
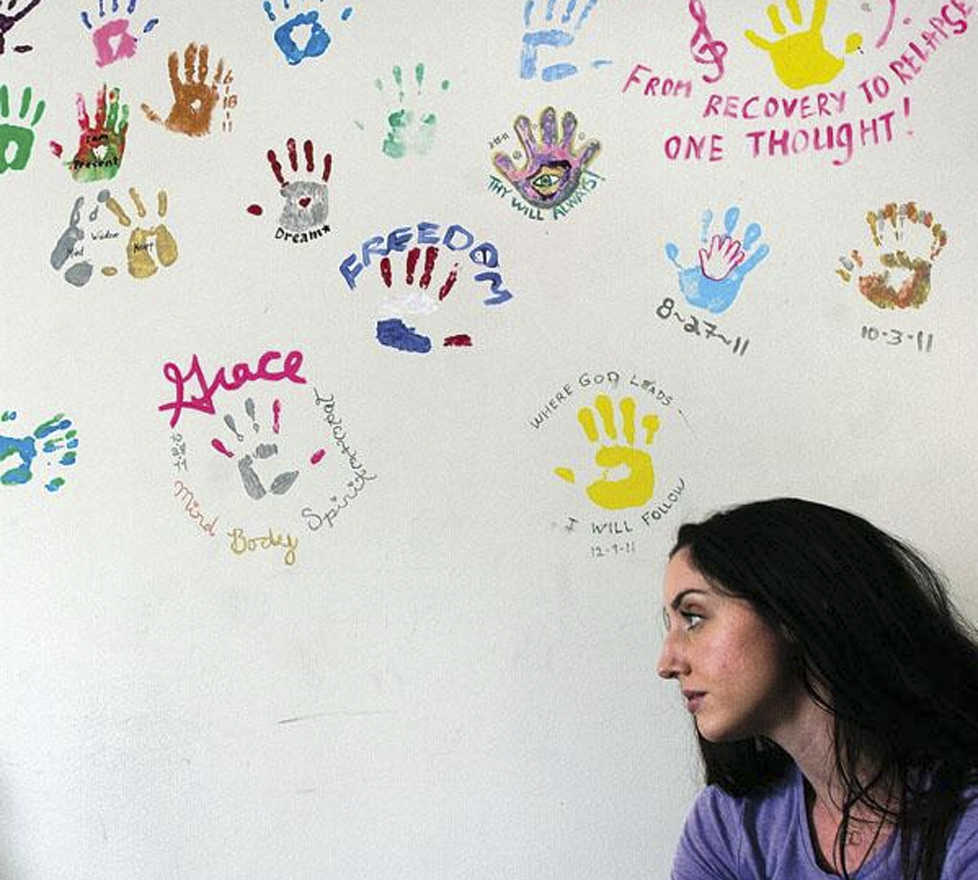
(142, 240)
(21, 137)
(801, 59)
(112, 40)
(306, 201)
(409, 131)
(714, 281)
(100, 146)
(317, 40)
(637, 486)
(194, 98)
(10, 16)
(910, 229)
(548, 34)
(262, 452)
(722, 256)
(552, 170)
(410, 300)
(69, 245)
(60, 441)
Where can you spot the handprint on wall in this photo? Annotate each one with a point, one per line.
(318, 38)
(908, 228)
(409, 300)
(21, 137)
(637, 486)
(552, 170)
(724, 262)
(261, 452)
(306, 201)
(59, 442)
(543, 32)
(112, 39)
(69, 245)
(16, 10)
(144, 240)
(194, 98)
(800, 59)
(100, 146)
(409, 130)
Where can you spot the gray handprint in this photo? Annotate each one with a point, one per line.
(262, 452)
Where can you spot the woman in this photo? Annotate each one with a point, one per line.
(835, 695)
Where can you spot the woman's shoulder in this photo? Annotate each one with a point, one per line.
(962, 845)
(720, 834)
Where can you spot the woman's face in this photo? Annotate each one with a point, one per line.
(730, 664)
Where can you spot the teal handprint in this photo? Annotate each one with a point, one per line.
(20, 137)
(56, 434)
(409, 130)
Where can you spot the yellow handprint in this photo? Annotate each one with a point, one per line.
(801, 59)
(635, 489)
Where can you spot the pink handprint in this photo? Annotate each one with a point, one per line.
(552, 171)
(721, 258)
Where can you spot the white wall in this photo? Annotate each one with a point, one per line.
(446, 682)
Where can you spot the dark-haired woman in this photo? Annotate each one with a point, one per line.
(835, 695)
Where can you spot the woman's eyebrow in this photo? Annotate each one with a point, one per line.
(676, 602)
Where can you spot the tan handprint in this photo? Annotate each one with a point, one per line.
(143, 240)
(801, 59)
(636, 488)
(898, 223)
(193, 99)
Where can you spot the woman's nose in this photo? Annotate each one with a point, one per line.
(672, 661)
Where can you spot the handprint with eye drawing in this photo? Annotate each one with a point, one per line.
(552, 170)
(636, 487)
(194, 98)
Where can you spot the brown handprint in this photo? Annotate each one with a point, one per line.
(194, 99)
(905, 278)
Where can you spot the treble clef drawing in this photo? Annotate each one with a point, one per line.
(709, 51)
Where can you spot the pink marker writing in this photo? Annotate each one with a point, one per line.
(240, 374)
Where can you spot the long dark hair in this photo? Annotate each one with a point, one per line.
(876, 642)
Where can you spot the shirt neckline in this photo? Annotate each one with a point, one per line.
(867, 870)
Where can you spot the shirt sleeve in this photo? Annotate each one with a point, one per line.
(709, 847)
(961, 862)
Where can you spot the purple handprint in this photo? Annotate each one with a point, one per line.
(552, 170)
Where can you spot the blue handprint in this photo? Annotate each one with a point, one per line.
(394, 333)
(714, 282)
(318, 40)
(552, 36)
(25, 448)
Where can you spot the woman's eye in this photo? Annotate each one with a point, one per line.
(692, 619)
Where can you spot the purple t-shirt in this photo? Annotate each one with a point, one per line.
(766, 837)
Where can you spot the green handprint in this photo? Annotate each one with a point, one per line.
(801, 59)
(20, 136)
(636, 488)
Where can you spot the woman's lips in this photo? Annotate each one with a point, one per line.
(694, 699)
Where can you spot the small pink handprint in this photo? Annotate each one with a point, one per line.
(721, 258)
